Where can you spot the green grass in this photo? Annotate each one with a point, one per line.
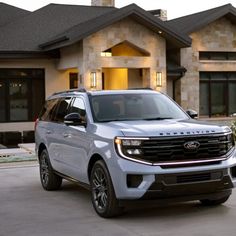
(15, 158)
(233, 127)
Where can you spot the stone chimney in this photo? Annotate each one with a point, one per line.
(160, 13)
(103, 3)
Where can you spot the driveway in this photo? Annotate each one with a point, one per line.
(27, 210)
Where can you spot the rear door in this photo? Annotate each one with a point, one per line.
(55, 130)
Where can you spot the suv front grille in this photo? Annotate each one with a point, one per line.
(167, 150)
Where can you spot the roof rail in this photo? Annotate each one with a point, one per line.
(146, 88)
(82, 90)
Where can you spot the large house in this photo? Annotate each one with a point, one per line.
(58, 47)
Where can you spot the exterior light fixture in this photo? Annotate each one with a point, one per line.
(93, 80)
(159, 79)
(106, 54)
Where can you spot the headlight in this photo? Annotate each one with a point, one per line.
(127, 142)
(130, 148)
(134, 151)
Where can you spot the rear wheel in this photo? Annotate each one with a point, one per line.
(214, 202)
(103, 196)
(49, 180)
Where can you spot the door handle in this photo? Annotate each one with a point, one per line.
(66, 135)
(48, 131)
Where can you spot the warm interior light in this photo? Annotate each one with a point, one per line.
(159, 79)
(93, 78)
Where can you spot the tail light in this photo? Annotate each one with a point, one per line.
(36, 123)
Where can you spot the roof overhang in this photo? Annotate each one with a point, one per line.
(29, 55)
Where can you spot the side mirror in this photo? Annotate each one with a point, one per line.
(193, 114)
(74, 119)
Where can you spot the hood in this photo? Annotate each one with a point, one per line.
(166, 128)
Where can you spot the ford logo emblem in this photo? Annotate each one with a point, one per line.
(192, 145)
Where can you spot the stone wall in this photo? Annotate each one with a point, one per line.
(217, 36)
(136, 34)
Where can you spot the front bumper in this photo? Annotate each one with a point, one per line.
(188, 183)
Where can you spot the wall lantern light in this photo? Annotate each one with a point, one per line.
(93, 80)
(159, 79)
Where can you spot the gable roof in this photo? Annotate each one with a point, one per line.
(10, 13)
(191, 23)
(57, 25)
(93, 25)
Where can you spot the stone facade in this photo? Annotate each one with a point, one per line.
(108, 3)
(133, 32)
(218, 36)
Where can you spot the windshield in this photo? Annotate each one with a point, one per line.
(128, 107)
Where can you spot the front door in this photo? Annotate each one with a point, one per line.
(76, 144)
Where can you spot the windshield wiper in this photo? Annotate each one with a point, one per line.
(159, 118)
(111, 120)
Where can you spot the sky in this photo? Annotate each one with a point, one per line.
(175, 8)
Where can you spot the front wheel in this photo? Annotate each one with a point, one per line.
(103, 196)
(49, 180)
(214, 202)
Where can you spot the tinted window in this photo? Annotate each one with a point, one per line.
(2, 102)
(217, 93)
(18, 100)
(217, 56)
(62, 109)
(134, 107)
(21, 94)
(73, 80)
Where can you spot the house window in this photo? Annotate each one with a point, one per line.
(217, 94)
(21, 94)
(214, 56)
(73, 80)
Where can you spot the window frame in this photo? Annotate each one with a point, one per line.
(7, 75)
(209, 81)
(207, 56)
(73, 78)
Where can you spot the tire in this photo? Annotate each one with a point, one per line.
(49, 180)
(215, 202)
(103, 196)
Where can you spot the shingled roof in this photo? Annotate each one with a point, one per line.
(27, 33)
(57, 25)
(10, 13)
(191, 23)
(86, 28)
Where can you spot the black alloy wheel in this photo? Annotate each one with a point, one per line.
(103, 196)
(49, 180)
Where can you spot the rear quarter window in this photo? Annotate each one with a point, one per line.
(48, 110)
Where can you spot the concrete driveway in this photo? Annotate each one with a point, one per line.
(27, 210)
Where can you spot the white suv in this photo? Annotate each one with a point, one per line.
(133, 145)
